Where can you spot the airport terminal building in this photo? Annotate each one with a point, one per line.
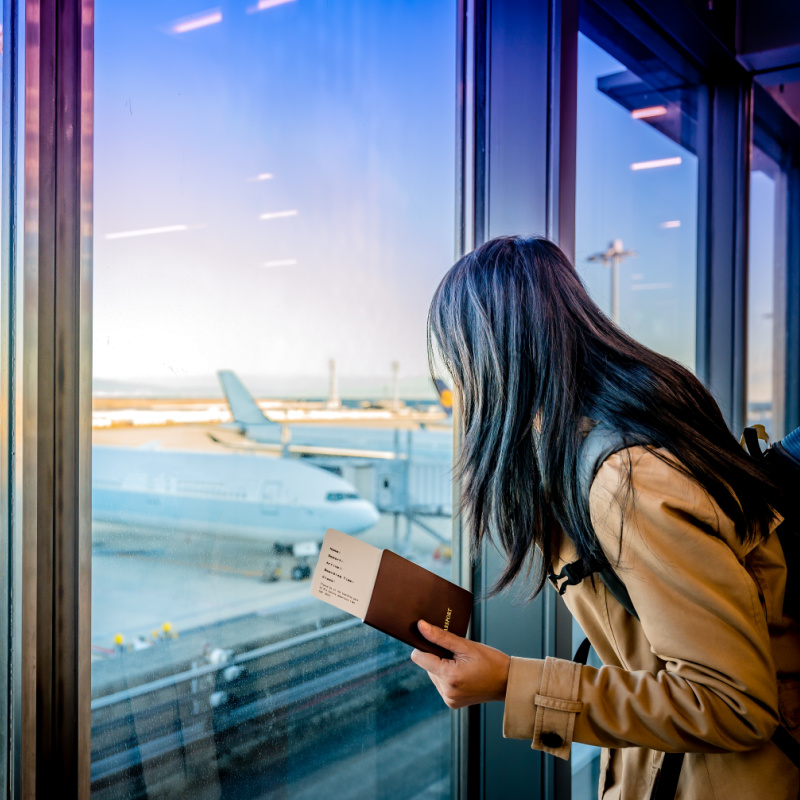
(223, 224)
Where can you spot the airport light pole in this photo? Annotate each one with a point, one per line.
(395, 385)
(333, 386)
(613, 257)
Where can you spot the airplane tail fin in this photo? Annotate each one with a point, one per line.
(445, 396)
(243, 408)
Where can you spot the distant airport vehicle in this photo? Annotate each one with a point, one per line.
(347, 437)
(285, 502)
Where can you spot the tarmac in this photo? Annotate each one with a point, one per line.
(145, 577)
(142, 578)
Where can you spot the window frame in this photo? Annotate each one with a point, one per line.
(47, 275)
(778, 136)
(691, 52)
(10, 128)
(508, 149)
(45, 312)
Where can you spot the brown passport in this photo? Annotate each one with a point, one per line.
(389, 592)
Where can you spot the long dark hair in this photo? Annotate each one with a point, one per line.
(530, 356)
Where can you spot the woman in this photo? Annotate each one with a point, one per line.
(684, 516)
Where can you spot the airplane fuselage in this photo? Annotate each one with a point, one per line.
(242, 495)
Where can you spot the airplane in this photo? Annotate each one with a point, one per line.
(286, 502)
(350, 440)
(445, 397)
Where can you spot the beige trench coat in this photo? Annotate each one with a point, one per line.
(697, 674)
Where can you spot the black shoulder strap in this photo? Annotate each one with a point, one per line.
(600, 443)
(665, 786)
(617, 589)
(790, 746)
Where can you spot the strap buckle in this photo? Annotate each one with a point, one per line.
(571, 575)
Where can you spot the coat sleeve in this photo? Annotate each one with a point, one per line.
(699, 611)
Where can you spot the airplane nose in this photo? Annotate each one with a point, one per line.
(352, 516)
(367, 514)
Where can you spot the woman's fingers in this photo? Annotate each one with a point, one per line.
(438, 683)
(476, 673)
(449, 641)
(428, 661)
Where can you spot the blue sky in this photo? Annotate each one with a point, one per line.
(349, 106)
(657, 288)
(761, 287)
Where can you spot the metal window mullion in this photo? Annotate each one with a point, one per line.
(63, 373)
(461, 762)
(724, 151)
(561, 199)
(10, 127)
(467, 768)
(522, 168)
(740, 277)
(24, 470)
(779, 303)
(562, 124)
(52, 406)
(46, 742)
(792, 296)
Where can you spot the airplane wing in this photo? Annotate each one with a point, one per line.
(304, 450)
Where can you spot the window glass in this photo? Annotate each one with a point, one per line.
(636, 225)
(636, 213)
(585, 759)
(765, 332)
(772, 269)
(760, 321)
(274, 195)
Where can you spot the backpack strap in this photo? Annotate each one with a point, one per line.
(790, 746)
(617, 590)
(582, 653)
(665, 786)
(600, 443)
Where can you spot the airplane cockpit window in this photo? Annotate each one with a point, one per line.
(274, 203)
(336, 496)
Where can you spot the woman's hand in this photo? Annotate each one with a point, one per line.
(476, 673)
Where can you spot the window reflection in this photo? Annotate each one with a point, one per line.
(274, 199)
(636, 225)
(585, 759)
(636, 214)
(765, 333)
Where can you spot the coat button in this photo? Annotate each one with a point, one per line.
(552, 740)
